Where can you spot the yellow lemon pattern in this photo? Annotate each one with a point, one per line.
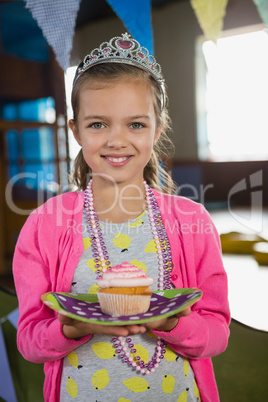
(72, 387)
(87, 242)
(186, 367)
(136, 384)
(100, 379)
(93, 289)
(104, 350)
(151, 247)
(170, 355)
(73, 359)
(96, 370)
(136, 224)
(151, 335)
(183, 396)
(139, 265)
(122, 241)
(142, 352)
(168, 384)
(196, 390)
(92, 265)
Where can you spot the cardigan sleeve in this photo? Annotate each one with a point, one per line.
(39, 337)
(204, 333)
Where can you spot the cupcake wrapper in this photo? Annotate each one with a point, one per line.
(119, 305)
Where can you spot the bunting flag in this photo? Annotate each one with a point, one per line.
(262, 6)
(136, 16)
(57, 19)
(210, 15)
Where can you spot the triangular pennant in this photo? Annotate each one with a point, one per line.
(7, 391)
(210, 15)
(13, 317)
(262, 6)
(136, 16)
(57, 19)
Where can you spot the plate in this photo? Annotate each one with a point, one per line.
(85, 307)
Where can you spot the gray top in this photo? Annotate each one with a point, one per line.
(94, 371)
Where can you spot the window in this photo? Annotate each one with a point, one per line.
(232, 91)
(73, 145)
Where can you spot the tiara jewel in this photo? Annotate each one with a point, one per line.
(124, 49)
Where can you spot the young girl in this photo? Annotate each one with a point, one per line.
(120, 119)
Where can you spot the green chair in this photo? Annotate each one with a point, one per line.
(24, 379)
(242, 370)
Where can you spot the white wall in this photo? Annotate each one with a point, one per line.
(175, 29)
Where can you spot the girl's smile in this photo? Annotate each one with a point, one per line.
(116, 128)
(117, 160)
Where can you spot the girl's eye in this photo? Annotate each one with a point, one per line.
(137, 125)
(97, 126)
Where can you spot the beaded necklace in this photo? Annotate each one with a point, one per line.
(102, 263)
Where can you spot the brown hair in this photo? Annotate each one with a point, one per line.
(155, 175)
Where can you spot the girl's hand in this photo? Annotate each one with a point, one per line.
(169, 323)
(74, 329)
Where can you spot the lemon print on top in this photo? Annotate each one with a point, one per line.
(136, 224)
(92, 265)
(170, 355)
(72, 387)
(196, 390)
(123, 400)
(103, 350)
(87, 242)
(122, 241)
(139, 265)
(100, 379)
(168, 384)
(151, 247)
(136, 384)
(151, 334)
(73, 359)
(138, 221)
(183, 396)
(93, 289)
(186, 367)
(142, 352)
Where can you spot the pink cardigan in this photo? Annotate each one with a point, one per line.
(48, 251)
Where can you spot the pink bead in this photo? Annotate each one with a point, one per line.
(120, 338)
(124, 348)
(142, 371)
(158, 361)
(134, 364)
(147, 372)
(156, 365)
(153, 370)
(138, 368)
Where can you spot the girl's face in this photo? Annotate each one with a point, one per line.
(116, 128)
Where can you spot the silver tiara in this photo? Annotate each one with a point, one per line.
(124, 49)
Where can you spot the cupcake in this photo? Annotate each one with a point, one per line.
(124, 290)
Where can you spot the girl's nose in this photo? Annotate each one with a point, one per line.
(117, 138)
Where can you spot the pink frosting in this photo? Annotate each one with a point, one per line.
(124, 275)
